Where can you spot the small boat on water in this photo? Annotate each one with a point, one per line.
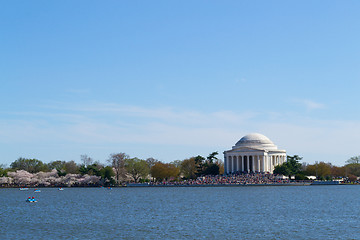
(37, 190)
(23, 189)
(61, 189)
(31, 199)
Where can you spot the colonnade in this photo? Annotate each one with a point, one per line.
(253, 163)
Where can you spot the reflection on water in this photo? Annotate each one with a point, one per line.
(182, 213)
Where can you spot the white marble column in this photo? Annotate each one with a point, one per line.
(254, 163)
(225, 164)
(266, 163)
(232, 164)
(264, 169)
(251, 163)
(229, 164)
(235, 164)
(242, 163)
(248, 162)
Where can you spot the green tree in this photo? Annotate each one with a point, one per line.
(338, 171)
(29, 165)
(324, 169)
(199, 162)
(71, 167)
(353, 169)
(162, 171)
(83, 170)
(137, 168)
(353, 160)
(188, 168)
(353, 166)
(289, 168)
(310, 170)
(293, 164)
(117, 161)
(211, 169)
(3, 170)
(58, 165)
(93, 169)
(220, 163)
(212, 157)
(282, 169)
(210, 166)
(107, 173)
(321, 170)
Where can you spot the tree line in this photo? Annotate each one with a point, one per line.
(119, 168)
(321, 170)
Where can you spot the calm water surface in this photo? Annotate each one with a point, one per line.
(280, 212)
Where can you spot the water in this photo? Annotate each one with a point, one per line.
(276, 212)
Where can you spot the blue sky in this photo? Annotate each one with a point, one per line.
(175, 79)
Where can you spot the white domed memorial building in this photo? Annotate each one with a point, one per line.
(253, 153)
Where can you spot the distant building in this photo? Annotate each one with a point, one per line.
(253, 153)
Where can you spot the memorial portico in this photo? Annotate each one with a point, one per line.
(253, 153)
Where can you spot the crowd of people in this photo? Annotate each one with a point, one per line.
(230, 179)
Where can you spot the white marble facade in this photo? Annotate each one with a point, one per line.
(253, 153)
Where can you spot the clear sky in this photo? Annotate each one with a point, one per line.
(175, 79)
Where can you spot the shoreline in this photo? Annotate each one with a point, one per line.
(144, 185)
(137, 185)
(224, 185)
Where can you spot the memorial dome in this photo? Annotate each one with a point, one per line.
(256, 140)
(253, 153)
